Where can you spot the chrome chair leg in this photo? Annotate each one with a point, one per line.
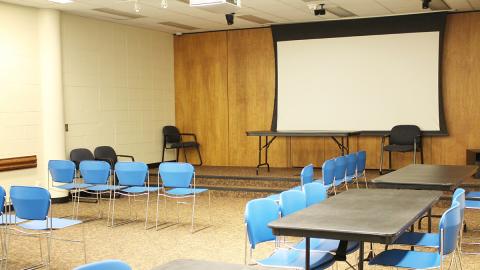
(193, 212)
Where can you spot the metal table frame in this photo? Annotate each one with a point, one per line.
(341, 138)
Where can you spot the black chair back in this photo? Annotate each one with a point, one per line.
(405, 135)
(106, 153)
(80, 154)
(171, 134)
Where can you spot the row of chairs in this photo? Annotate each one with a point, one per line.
(336, 172)
(260, 212)
(174, 180)
(105, 153)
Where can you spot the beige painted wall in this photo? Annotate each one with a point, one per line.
(20, 94)
(118, 86)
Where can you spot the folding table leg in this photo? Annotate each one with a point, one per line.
(307, 253)
(360, 256)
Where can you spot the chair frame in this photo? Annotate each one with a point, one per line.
(162, 192)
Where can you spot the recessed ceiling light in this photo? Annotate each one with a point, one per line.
(61, 1)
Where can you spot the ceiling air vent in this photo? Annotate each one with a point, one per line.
(254, 19)
(117, 14)
(179, 26)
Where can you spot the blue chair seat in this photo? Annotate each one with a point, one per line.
(139, 189)
(104, 187)
(327, 245)
(473, 194)
(419, 239)
(350, 178)
(71, 186)
(57, 223)
(407, 259)
(287, 258)
(185, 191)
(472, 204)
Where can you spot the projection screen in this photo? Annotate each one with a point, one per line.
(362, 82)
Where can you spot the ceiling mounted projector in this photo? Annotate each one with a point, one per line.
(217, 6)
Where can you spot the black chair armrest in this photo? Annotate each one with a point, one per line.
(108, 160)
(190, 134)
(127, 156)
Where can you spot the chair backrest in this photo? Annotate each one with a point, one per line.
(306, 176)
(405, 135)
(107, 264)
(3, 194)
(450, 224)
(459, 197)
(361, 161)
(80, 154)
(30, 203)
(62, 171)
(171, 134)
(328, 172)
(106, 153)
(292, 201)
(340, 167)
(176, 174)
(258, 214)
(351, 164)
(131, 173)
(314, 193)
(95, 171)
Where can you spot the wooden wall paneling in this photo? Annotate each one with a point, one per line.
(372, 146)
(251, 93)
(461, 89)
(201, 93)
(306, 150)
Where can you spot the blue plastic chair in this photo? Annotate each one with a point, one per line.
(258, 214)
(104, 265)
(351, 171)
(133, 179)
(449, 230)
(314, 193)
(306, 176)
(97, 174)
(32, 206)
(62, 175)
(471, 203)
(431, 239)
(340, 171)
(292, 201)
(328, 174)
(178, 182)
(361, 164)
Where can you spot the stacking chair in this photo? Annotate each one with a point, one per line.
(351, 171)
(133, 181)
(431, 240)
(108, 154)
(62, 176)
(471, 203)
(341, 171)
(104, 265)
(80, 154)
(32, 205)
(448, 237)
(96, 173)
(403, 138)
(361, 164)
(314, 193)
(306, 176)
(178, 182)
(258, 214)
(328, 175)
(4, 219)
(173, 139)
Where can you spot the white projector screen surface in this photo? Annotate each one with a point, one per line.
(368, 83)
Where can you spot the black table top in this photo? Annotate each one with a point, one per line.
(201, 265)
(306, 133)
(369, 215)
(423, 176)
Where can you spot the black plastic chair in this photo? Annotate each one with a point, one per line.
(108, 154)
(173, 139)
(80, 154)
(403, 138)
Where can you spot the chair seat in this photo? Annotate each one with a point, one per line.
(472, 204)
(326, 245)
(407, 259)
(183, 144)
(398, 148)
(10, 219)
(71, 186)
(57, 223)
(139, 189)
(288, 258)
(104, 187)
(472, 194)
(185, 191)
(349, 178)
(418, 239)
